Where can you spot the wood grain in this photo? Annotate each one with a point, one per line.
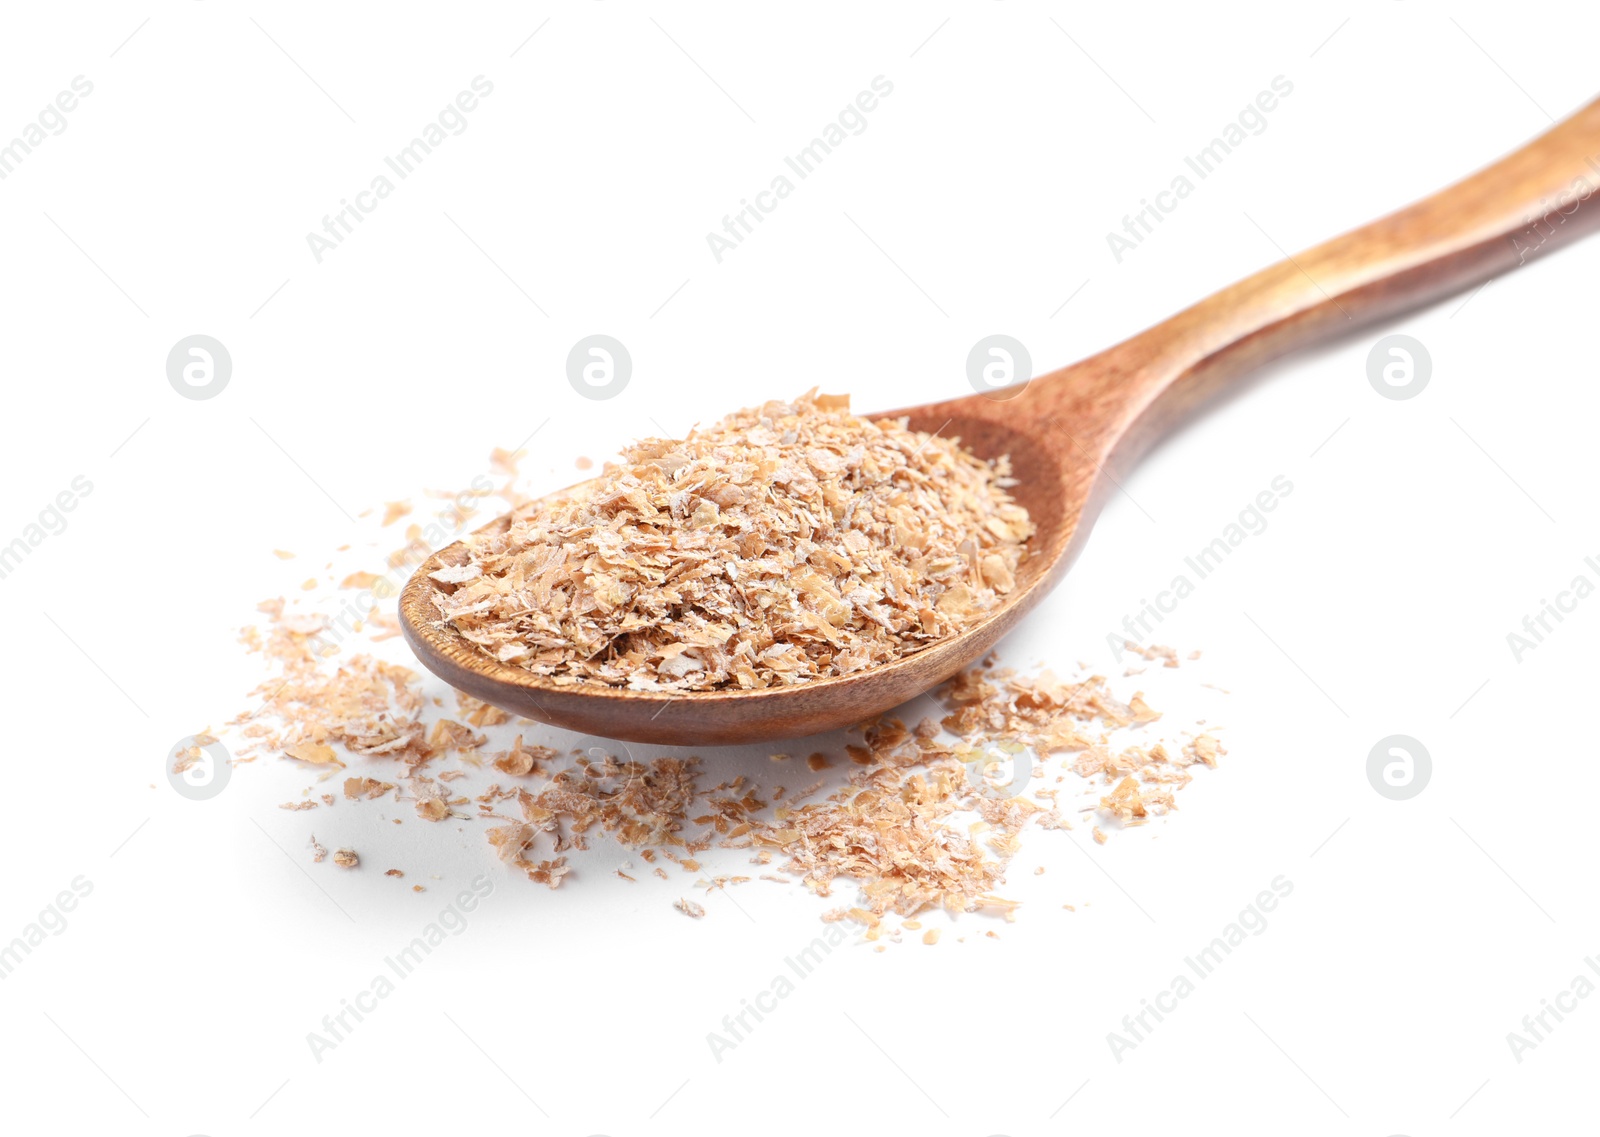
(1069, 433)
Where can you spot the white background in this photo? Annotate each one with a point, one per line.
(1419, 533)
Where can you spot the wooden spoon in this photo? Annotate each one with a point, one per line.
(1070, 431)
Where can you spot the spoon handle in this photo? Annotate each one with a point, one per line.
(1529, 202)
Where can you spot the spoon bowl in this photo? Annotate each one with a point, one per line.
(734, 716)
(1070, 435)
